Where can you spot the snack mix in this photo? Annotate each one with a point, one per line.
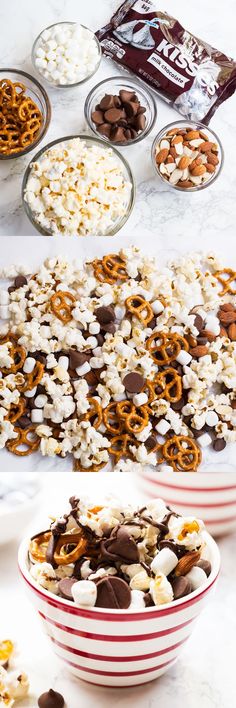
(119, 358)
(76, 188)
(120, 557)
(20, 118)
(14, 686)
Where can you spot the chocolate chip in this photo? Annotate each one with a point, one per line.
(107, 102)
(205, 565)
(23, 422)
(97, 117)
(120, 546)
(104, 314)
(202, 340)
(233, 404)
(219, 444)
(118, 134)
(11, 289)
(100, 339)
(113, 592)
(150, 443)
(113, 115)
(65, 586)
(198, 322)
(76, 358)
(51, 699)
(178, 404)
(19, 281)
(148, 600)
(133, 382)
(110, 328)
(91, 378)
(105, 129)
(126, 95)
(131, 108)
(181, 586)
(140, 122)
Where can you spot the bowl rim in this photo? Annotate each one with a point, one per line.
(202, 126)
(48, 113)
(92, 139)
(77, 83)
(139, 86)
(142, 613)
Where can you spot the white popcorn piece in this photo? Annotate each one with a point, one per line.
(161, 589)
(84, 593)
(45, 575)
(140, 581)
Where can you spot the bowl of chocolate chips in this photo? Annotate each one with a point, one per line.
(120, 111)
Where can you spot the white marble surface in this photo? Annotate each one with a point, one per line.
(204, 674)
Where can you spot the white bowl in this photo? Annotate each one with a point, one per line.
(211, 496)
(116, 647)
(15, 517)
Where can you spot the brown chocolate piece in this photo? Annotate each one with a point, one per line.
(219, 444)
(118, 134)
(205, 565)
(105, 129)
(107, 102)
(65, 586)
(181, 586)
(97, 117)
(150, 443)
(104, 314)
(109, 327)
(113, 115)
(133, 382)
(140, 122)
(51, 699)
(126, 95)
(120, 546)
(131, 108)
(76, 358)
(198, 322)
(19, 281)
(113, 592)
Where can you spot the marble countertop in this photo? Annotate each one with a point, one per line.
(204, 674)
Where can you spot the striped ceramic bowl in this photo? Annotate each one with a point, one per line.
(209, 496)
(115, 647)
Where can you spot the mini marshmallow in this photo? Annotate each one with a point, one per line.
(37, 415)
(84, 593)
(157, 307)
(163, 426)
(96, 362)
(64, 362)
(137, 599)
(212, 419)
(40, 400)
(91, 342)
(139, 399)
(204, 440)
(165, 561)
(196, 576)
(94, 328)
(30, 394)
(83, 369)
(29, 365)
(183, 358)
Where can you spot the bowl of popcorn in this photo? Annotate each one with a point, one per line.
(77, 186)
(120, 110)
(66, 54)
(187, 155)
(117, 587)
(209, 494)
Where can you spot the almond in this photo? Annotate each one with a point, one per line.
(212, 159)
(177, 139)
(203, 135)
(206, 145)
(173, 131)
(192, 134)
(227, 317)
(162, 155)
(195, 163)
(185, 183)
(184, 162)
(198, 170)
(210, 168)
(232, 332)
(187, 562)
(200, 350)
(169, 160)
(191, 340)
(227, 306)
(173, 152)
(223, 332)
(209, 335)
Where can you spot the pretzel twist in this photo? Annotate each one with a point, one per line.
(62, 304)
(114, 423)
(16, 410)
(164, 347)
(62, 554)
(18, 354)
(135, 418)
(226, 282)
(182, 453)
(114, 266)
(170, 383)
(120, 446)
(94, 413)
(31, 444)
(136, 305)
(34, 378)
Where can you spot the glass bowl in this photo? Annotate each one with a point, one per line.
(113, 86)
(53, 83)
(212, 137)
(39, 96)
(89, 140)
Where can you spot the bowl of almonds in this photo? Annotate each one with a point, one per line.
(187, 155)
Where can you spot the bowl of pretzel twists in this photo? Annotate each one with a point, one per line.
(25, 113)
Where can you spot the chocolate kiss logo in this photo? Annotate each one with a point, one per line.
(137, 33)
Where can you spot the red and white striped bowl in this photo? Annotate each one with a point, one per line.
(115, 647)
(209, 496)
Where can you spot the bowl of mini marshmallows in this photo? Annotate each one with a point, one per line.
(66, 54)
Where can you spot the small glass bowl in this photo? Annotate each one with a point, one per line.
(39, 96)
(52, 83)
(90, 140)
(212, 137)
(113, 86)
